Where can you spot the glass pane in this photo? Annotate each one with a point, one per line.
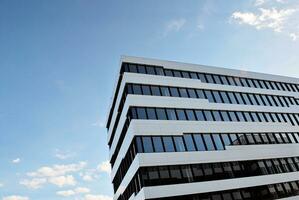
(199, 142)
(141, 69)
(208, 141)
(246, 99)
(189, 142)
(161, 114)
(186, 74)
(218, 142)
(192, 93)
(239, 98)
(217, 97)
(181, 114)
(225, 139)
(253, 100)
(165, 91)
(151, 113)
(199, 115)
(233, 116)
(150, 70)
(139, 145)
(217, 79)
(168, 72)
(155, 91)
(183, 92)
(171, 114)
(137, 89)
(193, 75)
(168, 144)
(224, 80)
(225, 116)
(209, 96)
(208, 115)
(200, 94)
(146, 90)
(190, 115)
(232, 98)
(174, 92)
(179, 144)
(217, 116)
(210, 78)
(158, 145)
(147, 144)
(224, 97)
(141, 113)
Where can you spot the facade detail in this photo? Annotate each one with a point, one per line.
(180, 131)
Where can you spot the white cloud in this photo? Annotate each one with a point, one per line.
(57, 170)
(282, 20)
(97, 197)
(104, 167)
(87, 177)
(35, 183)
(63, 155)
(15, 197)
(268, 18)
(78, 190)
(63, 180)
(174, 26)
(16, 161)
(1, 185)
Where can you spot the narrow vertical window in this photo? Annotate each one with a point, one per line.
(199, 142)
(147, 144)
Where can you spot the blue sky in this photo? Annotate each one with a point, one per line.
(58, 64)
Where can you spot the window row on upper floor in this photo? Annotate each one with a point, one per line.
(210, 78)
(213, 96)
(189, 173)
(151, 113)
(264, 192)
(196, 142)
(154, 113)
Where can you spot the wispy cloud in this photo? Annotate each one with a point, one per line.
(63, 155)
(284, 20)
(1, 184)
(34, 183)
(15, 197)
(78, 190)
(16, 161)
(174, 26)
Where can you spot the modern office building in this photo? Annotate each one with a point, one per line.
(184, 131)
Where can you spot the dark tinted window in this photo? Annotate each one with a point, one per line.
(179, 143)
(171, 114)
(141, 113)
(158, 145)
(189, 143)
(161, 114)
(147, 144)
(168, 144)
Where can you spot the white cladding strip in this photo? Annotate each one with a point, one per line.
(209, 69)
(164, 127)
(193, 188)
(233, 153)
(172, 102)
(190, 83)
